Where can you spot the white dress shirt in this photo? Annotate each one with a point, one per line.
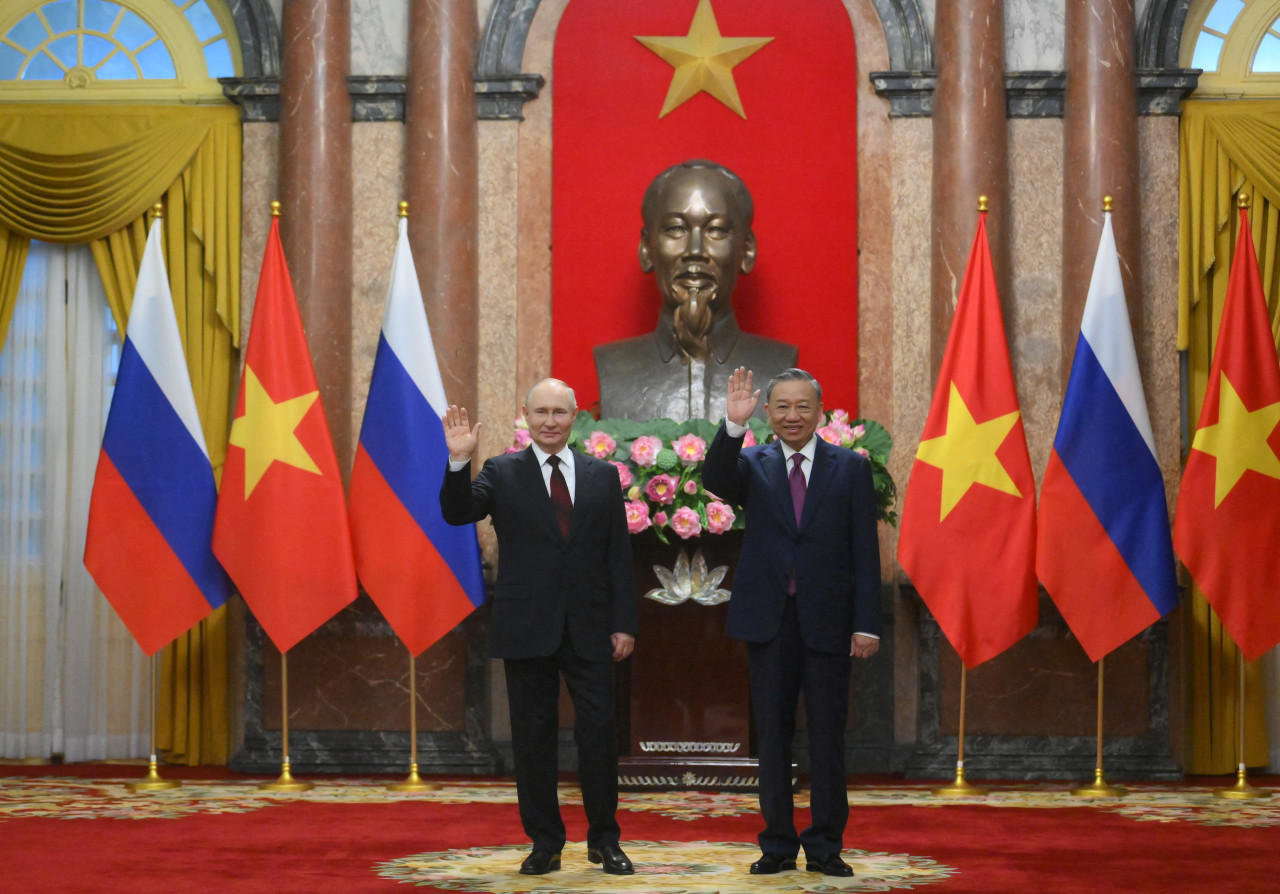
(566, 468)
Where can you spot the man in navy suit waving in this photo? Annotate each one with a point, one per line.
(564, 605)
(806, 599)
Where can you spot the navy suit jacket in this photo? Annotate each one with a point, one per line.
(548, 584)
(834, 551)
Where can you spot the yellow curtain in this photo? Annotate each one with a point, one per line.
(91, 173)
(1227, 148)
(13, 259)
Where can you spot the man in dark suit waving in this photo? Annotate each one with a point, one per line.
(564, 604)
(806, 599)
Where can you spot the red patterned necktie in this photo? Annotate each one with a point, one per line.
(560, 495)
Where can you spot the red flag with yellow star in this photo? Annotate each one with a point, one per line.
(281, 530)
(969, 516)
(1228, 517)
(768, 88)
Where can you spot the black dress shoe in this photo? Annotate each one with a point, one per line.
(614, 860)
(768, 864)
(831, 865)
(540, 861)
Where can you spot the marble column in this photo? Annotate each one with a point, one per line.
(315, 194)
(970, 153)
(441, 183)
(1100, 156)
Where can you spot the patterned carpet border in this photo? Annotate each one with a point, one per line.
(72, 798)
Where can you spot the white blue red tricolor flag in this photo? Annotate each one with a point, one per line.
(1104, 551)
(424, 575)
(151, 515)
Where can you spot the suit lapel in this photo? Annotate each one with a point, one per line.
(775, 472)
(819, 479)
(581, 490)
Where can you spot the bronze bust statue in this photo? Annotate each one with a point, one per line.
(697, 238)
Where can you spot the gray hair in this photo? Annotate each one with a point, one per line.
(573, 398)
(792, 375)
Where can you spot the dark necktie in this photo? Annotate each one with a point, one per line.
(560, 495)
(798, 485)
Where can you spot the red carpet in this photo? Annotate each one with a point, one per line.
(75, 829)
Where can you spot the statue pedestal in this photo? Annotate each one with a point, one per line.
(687, 697)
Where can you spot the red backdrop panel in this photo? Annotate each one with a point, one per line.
(796, 151)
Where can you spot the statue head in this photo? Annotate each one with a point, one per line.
(697, 238)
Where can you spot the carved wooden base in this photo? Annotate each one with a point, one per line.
(688, 774)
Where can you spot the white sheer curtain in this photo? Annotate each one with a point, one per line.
(72, 681)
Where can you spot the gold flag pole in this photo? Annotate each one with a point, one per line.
(286, 782)
(960, 787)
(1242, 788)
(414, 782)
(1099, 788)
(152, 782)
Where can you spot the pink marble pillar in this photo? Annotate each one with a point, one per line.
(1100, 155)
(315, 194)
(441, 159)
(970, 152)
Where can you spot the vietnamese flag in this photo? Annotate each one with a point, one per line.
(969, 517)
(281, 530)
(1228, 517)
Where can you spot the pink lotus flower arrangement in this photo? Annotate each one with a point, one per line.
(659, 467)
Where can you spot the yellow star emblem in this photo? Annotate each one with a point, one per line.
(266, 431)
(703, 60)
(1238, 440)
(966, 454)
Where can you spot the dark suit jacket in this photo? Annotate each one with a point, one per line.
(834, 550)
(544, 580)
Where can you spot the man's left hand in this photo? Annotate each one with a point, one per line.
(864, 646)
(623, 645)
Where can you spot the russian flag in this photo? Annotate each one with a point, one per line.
(424, 575)
(149, 542)
(1104, 550)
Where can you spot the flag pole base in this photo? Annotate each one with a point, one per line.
(414, 783)
(153, 781)
(960, 788)
(286, 783)
(1242, 789)
(1099, 788)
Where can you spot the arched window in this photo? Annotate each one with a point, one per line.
(87, 50)
(1236, 45)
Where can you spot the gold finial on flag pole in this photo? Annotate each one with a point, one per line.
(982, 204)
(1106, 204)
(1242, 199)
(275, 208)
(157, 210)
(1099, 788)
(152, 782)
(404, 209)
